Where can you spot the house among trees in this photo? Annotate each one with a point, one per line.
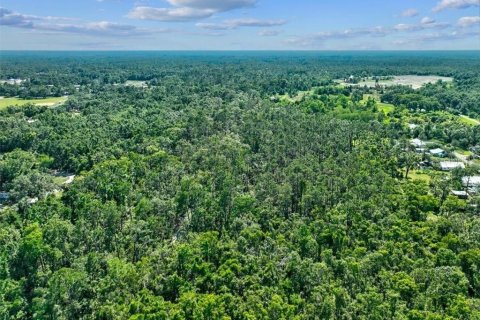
(417, 143)
(460, 194)
(351, 79)
(471, 183)
(274, 99)
(425, 164)
(450, 165)
(4, 196)
(437, 152)
(13, 81)
(412, 126)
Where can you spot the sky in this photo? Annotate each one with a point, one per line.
(239, 25)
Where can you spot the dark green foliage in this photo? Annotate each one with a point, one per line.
(199, 198)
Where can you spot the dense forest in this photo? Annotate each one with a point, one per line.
(238, 186)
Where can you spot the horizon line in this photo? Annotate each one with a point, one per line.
(238, 50)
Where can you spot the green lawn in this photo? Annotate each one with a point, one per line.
(419, 175)
(300, 95)
(468, 120)
(59, 180)
(464, 152)
(375, 96)
(385, 107)
(6, 102)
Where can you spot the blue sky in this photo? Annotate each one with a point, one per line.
(239, 24)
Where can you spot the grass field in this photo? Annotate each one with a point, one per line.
(385, 107)
(6, 102)
(59, 180)
(419, 175)
(468, 120)
(464, 152)
(300, 95)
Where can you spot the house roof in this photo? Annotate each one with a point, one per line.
(437, 151)
(417, 142)
(472, 181)
(449, 165)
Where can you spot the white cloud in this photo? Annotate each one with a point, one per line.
(269, 33)
(450, 36)
(435, 37)
(425, 23)
(427, 20)
(216, 5)
(236, 23)
(65, 25)
(456, 4)
(187, 10)
(465, 22)
(409, 13)
(405, 27)
(169, 14)
(338, 35)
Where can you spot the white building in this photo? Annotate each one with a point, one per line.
(412, 126)
(14, 81)
(471, 181)
(450, 165)
(461, 194)
(417, 143)
(438, 152)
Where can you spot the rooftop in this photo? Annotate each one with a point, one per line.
(437, 151)
(460, 193)
(417, 142)
(472, 181)
(450, 165)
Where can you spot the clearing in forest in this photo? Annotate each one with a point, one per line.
(468, 120)
(413, 81)
(6, 102)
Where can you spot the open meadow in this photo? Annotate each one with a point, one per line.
(47, 102)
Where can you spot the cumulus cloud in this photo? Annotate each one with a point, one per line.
(409, 13)
(456, 4)
(187, 10)
(60, 24)
(465, 22)
(427, 20)
(236, 23)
